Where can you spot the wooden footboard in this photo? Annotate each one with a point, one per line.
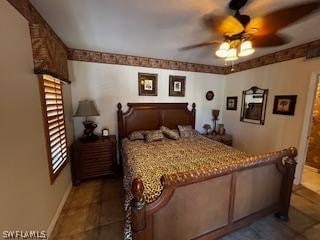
(209, 203)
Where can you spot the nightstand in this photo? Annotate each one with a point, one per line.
(93, 159)
(225, 138)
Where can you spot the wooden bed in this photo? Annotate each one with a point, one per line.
(206, 203)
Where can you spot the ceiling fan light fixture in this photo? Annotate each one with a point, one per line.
(232, 55)
(246, 49)
(222, 52)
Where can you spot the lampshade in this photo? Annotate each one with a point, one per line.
(232, 55)
(246, 49)
(215, 113)
(223, 50)
(86, 108)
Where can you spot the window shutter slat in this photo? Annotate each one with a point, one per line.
(60, 116)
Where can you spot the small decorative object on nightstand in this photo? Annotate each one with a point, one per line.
(221, 130)
(105, 132)
(225, 138)
(207, 128)
(93, 159)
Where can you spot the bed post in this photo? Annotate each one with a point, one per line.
(193, 115)
(287, 183)
(120, 122)
(138, 213)
(120, 136)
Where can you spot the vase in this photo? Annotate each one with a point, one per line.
(221, 130)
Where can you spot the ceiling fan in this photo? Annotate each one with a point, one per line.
(241, 33)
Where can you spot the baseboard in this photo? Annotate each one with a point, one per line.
(59, 209)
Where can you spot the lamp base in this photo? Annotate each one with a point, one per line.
(88, 133)
(214, 129)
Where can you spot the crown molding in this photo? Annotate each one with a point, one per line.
(280, 56)
(129, 60)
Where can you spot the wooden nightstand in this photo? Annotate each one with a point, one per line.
(93, 159)
(225, 138)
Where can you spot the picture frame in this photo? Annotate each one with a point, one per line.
(177, 86)
(148, 84)
(105, 132)
(285, 104)
(232, 103)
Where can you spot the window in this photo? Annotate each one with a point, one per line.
(53, 116)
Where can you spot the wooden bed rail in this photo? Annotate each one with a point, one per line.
(142, 212)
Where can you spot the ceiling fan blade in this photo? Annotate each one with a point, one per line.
(281, 18)
(224, 25)
(204, 44)
(271, 40)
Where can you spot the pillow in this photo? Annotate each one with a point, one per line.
(169, 133)
(175, 131)
(136, 135)
(186, 131)
(184, 127)
(152, 136)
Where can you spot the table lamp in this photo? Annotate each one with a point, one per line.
(85, 109)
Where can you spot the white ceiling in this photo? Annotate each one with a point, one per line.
(156, 29)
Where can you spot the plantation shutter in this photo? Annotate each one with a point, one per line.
(55, 124)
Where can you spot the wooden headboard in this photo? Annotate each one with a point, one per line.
(151, 116)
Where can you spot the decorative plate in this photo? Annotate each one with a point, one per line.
(209, 95)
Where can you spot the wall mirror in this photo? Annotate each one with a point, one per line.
(253, 107)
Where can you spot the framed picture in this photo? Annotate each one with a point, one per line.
(177, 86)
(284, 104)
(148, 84)
(232, 103)
(105, 132)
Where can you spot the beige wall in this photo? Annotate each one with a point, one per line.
(286, 78)
(28, 201)
(109, 84)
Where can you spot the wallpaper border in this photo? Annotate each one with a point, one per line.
(138, 61)
(276, 57)
(121, 59)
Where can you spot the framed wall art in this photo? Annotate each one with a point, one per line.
(148, 84)
(177, 86)
(232, 103)
(284, 104)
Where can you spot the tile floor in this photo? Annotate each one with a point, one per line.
(94, 211)
(311, 180)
